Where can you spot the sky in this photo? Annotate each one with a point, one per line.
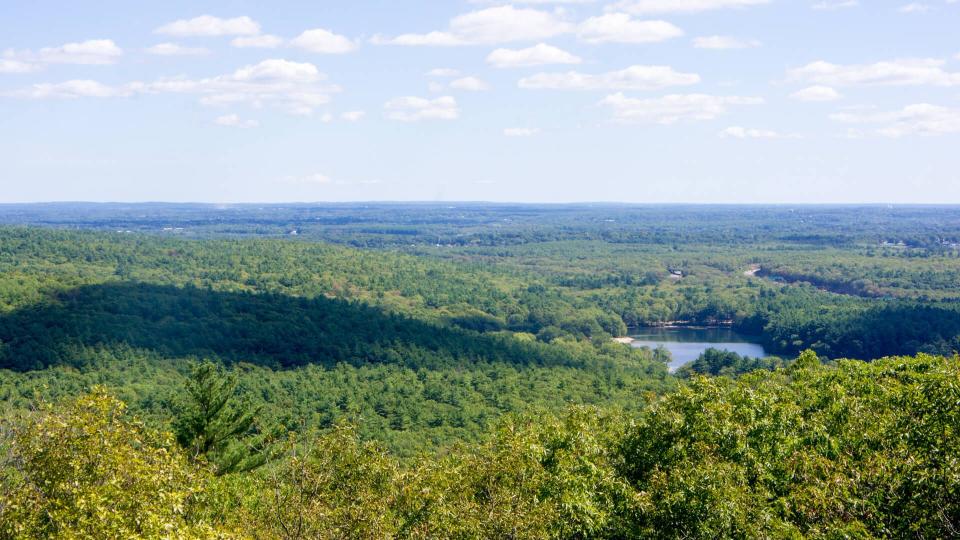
(646, 101)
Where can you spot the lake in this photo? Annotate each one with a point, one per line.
(686, 344)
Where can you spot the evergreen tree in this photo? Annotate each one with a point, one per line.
(214, 425)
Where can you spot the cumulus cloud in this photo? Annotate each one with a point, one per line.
(631, 78)
(645, 7)
(316, 179)
(174, 49)
(435, 38)
(323, 41)
(622, 28)
(262, 41)
(907, 72)
(540, 54)
(914, 7)
(504, 24)
(294, 87)
(414, 109)
(501, 24)
(917, 119)
(472, 84)
(77, 88)
(521, 132)
(739, 132)
(816, 93)
(443, 72)
(320, 179)
(15, 66)
(833, 5)
(234, 120)
(353, 116)
(90, 52)
(673, 108)
(208, 25)
(724, 42)
(536, 1)
(278, 70)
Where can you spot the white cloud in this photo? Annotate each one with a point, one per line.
(540, 54)
(916, 119)
(506, 23)
(294, 87)
(673, 108)
(233, 120)
(536, 1)
(631, 78)
(15, 66)
(278, 70)
(816, 93)
(208, 25)
(643, 7)
(621, 28)
(353, 116)
(320, 179)
(437, 39)
(262, 41)
(72, 89)
(308, 179)
(738, 132)
(521, 132)
(323, 41)
(174, 49)
(501, 24)
(90, 52)
(907, 72)
(472, 84)
(724, 42)
(443, 72)
(413, 109)
(914, 7)
(833, 5)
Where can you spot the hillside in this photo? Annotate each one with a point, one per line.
(852, 450)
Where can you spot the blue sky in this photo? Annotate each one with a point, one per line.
(742, 101)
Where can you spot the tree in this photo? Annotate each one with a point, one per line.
(214, 425)
(662, 354)
(84, 469)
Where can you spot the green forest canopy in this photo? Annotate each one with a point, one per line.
(855, 450)
(422, 386)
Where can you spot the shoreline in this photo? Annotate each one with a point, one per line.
(686, 324)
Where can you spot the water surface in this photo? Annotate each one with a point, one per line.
(687, 343)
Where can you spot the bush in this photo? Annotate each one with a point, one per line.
(84, 470)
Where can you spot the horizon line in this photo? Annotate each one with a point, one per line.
(476, 202)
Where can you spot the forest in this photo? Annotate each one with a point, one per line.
(449, 371)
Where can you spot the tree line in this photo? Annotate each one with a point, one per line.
(851, 450)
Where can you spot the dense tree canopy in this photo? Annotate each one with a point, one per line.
(449, 372)
(808, 451)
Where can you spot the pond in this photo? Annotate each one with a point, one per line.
(687, 343)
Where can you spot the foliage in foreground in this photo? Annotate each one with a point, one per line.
(83, 470)
(851, 450)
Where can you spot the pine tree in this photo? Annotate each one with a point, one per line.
(214, 425)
